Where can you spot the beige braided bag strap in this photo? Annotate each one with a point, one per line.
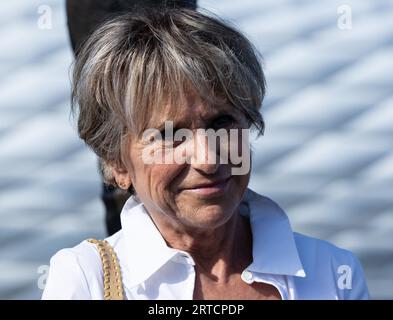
(113, 286)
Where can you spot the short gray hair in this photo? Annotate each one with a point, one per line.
(134, 64)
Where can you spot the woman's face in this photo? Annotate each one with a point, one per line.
(197, 193)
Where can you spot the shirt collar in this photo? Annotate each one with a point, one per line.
(274, 248)
(145, 249)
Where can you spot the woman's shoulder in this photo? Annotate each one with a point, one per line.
(311, 247)
(323, 260)
(76, 273)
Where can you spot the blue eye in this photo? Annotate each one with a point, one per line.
(169, 141)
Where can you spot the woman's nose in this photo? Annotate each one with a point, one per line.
(205, 156)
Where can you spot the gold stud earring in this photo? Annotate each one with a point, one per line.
(123, 185)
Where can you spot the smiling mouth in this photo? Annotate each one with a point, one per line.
(209, 189)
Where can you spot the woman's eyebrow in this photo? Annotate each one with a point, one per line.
(207, 119)
(176, 125)
(223, 112)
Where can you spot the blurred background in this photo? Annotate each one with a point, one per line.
(326, 156)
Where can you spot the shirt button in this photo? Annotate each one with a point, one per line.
(247, 275)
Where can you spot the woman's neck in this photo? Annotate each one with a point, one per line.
(218, 252)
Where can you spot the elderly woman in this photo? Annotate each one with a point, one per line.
(191, 229)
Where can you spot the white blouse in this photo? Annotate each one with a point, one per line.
(300, 267)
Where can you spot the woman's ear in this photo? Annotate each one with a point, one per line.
(122, 177)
